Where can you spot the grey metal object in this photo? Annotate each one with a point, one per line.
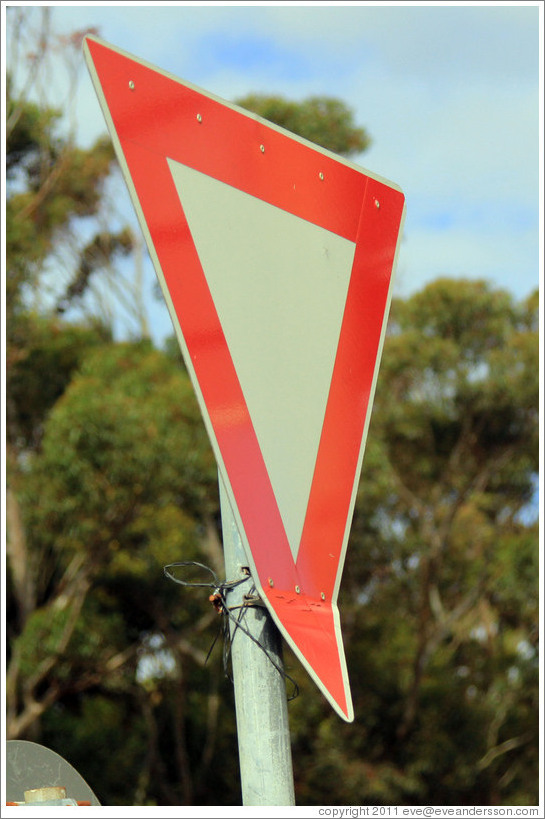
(260, 691)
(43, 797)
(32, 767)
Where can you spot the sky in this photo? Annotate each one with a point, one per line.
(449, 93)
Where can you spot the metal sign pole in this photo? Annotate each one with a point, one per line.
(260, 691)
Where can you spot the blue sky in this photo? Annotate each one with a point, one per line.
(448, 93)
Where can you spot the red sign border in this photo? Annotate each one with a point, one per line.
(153, 116)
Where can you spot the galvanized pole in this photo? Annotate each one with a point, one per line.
(260, 692)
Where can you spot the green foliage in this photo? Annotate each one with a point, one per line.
(103, 249)
(127, 438)
(466, 386)
(51, 183)
(41, 370)
(439, 597)
(439, 600)
(455, 424)
(44, 638)
(106, 741)
(124, 482)
(28, 138)
(326, 121)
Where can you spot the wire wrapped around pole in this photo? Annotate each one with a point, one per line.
(218, 598)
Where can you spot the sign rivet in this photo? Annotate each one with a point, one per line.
(298, 590)
(322, 595)
(377, 204)
(131, 85)
(321, 175)
(271, 582)
(199, 118)
(262, 149)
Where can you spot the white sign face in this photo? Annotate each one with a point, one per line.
(276, 259)
(279, 284)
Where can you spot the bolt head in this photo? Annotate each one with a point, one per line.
(131, 85)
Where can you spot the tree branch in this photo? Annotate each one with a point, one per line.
(79, 595)
(16, 551)
(502, 748)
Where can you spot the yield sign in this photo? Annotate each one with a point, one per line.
(275, 259)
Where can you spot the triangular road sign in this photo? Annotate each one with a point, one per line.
(276, 258)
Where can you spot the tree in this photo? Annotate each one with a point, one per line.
(55, 198)
(440, 594)
(438, 601)
(124, 483)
